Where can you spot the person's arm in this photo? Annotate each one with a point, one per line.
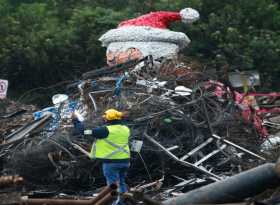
(78, 127)
(97, 133)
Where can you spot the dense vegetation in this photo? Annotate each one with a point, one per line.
(47, 41)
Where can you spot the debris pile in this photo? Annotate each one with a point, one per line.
(14, 115)
(183, 137)
(195, 137)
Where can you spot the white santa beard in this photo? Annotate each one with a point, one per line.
(156, 49)
(144, 34)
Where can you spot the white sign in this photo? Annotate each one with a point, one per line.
(3, 88)
(136, 145)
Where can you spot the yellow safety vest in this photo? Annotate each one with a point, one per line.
(115, 146)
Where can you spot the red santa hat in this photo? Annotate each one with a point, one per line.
(162, 19)
(152, 30)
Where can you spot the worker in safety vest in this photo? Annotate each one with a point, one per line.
(110, 146)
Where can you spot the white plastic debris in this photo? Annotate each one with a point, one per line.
(183, 91)
(59, 98)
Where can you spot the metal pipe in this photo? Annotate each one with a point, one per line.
(54, 202)
(155, 183)
(233, 189)
(104, 192)
(6, 181)
(107, 190)
(238, 147)
(184, 163)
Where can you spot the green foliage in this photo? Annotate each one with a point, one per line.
(43, 42)
(244, 34)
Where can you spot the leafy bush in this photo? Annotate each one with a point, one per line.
(43, 42)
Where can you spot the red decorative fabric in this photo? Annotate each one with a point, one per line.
(159, 19)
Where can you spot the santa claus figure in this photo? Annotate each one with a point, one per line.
(147, 35)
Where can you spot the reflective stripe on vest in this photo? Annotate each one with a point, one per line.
(115, 146)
